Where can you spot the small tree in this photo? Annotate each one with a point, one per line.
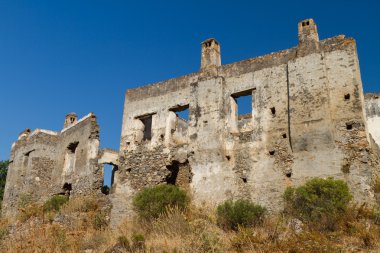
(319, 201)
(153, 201)
(243, 213)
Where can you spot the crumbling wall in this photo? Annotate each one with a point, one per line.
(45, 163)
(306, 121)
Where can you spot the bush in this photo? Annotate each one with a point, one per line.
(319, 200)
(55, 203)
(153, 201)
(243, 213)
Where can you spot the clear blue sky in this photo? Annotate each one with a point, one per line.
(81, 56)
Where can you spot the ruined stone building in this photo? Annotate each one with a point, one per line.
(306, 118)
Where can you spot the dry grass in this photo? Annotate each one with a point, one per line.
(376, 184)
(76, 229)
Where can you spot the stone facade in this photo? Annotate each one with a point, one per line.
(306, 119)
(45, 163)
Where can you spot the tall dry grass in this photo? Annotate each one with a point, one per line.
(81, 226)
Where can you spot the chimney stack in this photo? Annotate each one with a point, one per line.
(210, 54)
(71, 118)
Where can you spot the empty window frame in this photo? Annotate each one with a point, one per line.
(108, 177)
(242, 104)
(69, 164)
(147, 122)
(182, 112)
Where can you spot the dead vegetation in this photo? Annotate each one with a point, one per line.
(78, 227)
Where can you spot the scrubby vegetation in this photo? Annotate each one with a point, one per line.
(241, 213)
(81, 225)
(55, 203)
(151, 202)
(320, 201)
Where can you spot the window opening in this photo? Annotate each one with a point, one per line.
(147, 122)
(182, 112)
(273, 110)
(271, 152)
(347, 97)
(26, 158)
(174, 169)
(72, 147)
(108, 177)
(348, 126)
(67, 189)
(244, 106)
(69, 164)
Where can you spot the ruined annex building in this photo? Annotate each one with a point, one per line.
(307, 117)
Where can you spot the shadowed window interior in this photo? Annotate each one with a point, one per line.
(147, 121)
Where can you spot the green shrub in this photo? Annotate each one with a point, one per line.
(242, 213)
(55, 203)
(318, 200)
(153, 201)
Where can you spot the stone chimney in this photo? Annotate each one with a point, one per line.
(71, 118)
(308, 39)
(210, 54)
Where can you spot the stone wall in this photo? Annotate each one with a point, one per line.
(45, 163)
(307, 121)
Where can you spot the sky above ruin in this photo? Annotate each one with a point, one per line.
(80, 56)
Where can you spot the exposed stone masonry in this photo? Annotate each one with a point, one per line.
(308, 118)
